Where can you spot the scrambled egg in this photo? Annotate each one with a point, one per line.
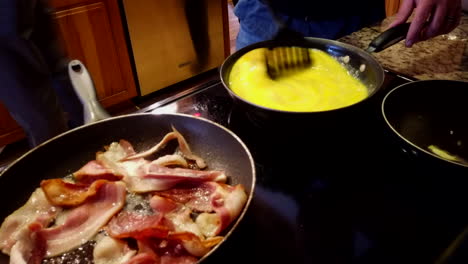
(325, 85)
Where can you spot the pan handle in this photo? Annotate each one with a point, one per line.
(84, 88)
(389, 37)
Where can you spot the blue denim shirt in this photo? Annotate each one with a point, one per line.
(257, 24)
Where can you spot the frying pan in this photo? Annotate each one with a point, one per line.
(428, 113)
(372, 76)
(66, 153)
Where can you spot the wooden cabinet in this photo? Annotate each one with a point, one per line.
(391, 6)
(93, 32)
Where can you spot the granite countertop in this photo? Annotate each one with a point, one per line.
(442, 57)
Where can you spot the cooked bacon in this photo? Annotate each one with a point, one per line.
(142, 176)
(162, 205)
(157, 178)
(154, 251)
(167, 259)
(95, 170)
(171, 221)
(227, 201)
(194, 196)
(112, 251)
(146, 254)
(209, 224)
(133, 224)
(144, 258)
(31, 246)
(155, 171)
(183, 146)
(180, 220)
(173, 226)
(83, 222)
(36, 210)
(128, 148)
(62, 193)
(193, 244)
(183, 228)
(172, 160)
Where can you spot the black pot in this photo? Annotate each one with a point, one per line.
(324, 131)
(372, 77)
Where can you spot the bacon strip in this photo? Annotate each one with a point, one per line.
(227, 201)
(146, 255)
(112, 251)
(132, 224)
(154, 251)
(83, 222)
(142, 176)
(62, 193)
(95, 170)
(183, 146)
(155, 171)
(193, 244)
(153, 177)
(36, 210)
(183, 228)
(31, 246)
(171, 160)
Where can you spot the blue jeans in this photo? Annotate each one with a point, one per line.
(257, 24)
(34, 83)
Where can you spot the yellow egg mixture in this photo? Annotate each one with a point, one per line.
(325, 85)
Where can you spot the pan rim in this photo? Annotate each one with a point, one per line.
(413, 85)
(202, 119)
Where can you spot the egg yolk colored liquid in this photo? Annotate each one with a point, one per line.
(325, 85)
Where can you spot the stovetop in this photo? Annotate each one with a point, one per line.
(343, 198)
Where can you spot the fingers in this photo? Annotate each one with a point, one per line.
(452, 20)
(403, 13)
(423, 11)
(437, 22)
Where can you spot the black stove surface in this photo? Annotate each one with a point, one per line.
(343, 197)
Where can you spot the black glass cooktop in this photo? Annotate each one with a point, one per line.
(346, 196)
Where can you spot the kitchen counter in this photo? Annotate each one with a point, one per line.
(442, 57)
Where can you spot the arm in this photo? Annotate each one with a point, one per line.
(431, 18)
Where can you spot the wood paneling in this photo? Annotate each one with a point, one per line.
(164, 50)
(392, 6)
(89, 34)
(67, 4)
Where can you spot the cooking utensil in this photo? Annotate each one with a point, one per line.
(429, 113)
(291, 56)
(283, 60)
(67, 152)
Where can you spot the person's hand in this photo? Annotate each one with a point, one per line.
(431, 18)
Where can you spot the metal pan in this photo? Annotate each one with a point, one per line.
(430, 116)
(66, 153)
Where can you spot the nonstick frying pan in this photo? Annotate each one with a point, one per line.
(66, 153)
(430, 115)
